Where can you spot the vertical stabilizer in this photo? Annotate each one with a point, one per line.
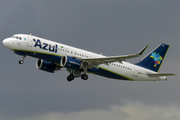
(155, 58)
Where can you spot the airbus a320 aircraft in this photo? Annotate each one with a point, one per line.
(52, 56)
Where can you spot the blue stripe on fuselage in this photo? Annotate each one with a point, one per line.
(56, 59)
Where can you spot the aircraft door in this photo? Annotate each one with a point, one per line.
(135, 71)
(30, 41)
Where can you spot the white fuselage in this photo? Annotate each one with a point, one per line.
(33, 44)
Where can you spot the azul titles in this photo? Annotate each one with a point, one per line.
(46, 46)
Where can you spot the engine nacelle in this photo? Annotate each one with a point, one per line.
(46, 66)
(71, 62)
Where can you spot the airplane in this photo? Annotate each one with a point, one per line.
(53, 56)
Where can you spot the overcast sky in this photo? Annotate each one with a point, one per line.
(111, 27)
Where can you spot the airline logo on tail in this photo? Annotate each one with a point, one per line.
(157, 58)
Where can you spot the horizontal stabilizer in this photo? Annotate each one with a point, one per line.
(159, 74)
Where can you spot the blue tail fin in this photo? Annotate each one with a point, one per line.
(155, 58)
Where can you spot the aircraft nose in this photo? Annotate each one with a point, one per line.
(5, 42)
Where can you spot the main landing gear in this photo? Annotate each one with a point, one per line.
(71, 77)
(22, 61)
(76, 73)
(84, 76)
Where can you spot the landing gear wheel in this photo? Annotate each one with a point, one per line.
(21, 61)
(70, 78)
(84, 76)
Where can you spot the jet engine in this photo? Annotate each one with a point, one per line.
(46, 66)
(71, 62)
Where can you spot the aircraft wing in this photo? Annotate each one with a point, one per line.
(159, 74)
(93, 62)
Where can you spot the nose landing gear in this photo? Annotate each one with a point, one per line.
(22, 61)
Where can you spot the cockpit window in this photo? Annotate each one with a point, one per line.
(17, 37)
(13, 37)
